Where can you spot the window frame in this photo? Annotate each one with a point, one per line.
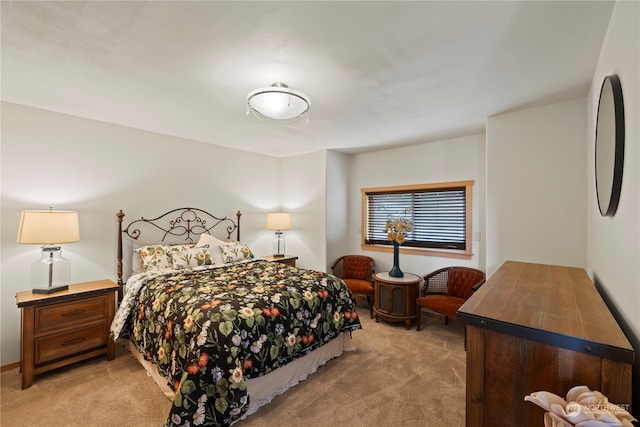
(444, 186)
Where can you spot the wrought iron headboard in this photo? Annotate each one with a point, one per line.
(184, 223)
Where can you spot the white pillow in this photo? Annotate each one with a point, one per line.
(215, 245)
(190, 257)
(208, 239)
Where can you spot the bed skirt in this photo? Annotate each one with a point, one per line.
(263, 389)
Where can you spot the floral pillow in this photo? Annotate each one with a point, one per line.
(176, 249)
(208, 241)
(191, 257)
(235, 252)
(155, 257)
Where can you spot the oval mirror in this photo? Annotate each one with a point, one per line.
(609, 145)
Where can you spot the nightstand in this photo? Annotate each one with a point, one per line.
(395, 297)
(289, 260)
(65, 327)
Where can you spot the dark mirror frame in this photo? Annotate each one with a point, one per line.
(604, 143)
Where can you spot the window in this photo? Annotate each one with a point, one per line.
(441, 216)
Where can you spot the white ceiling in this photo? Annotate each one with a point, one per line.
(379, 74)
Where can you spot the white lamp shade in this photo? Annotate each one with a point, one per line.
(279, 221)
(48, 227)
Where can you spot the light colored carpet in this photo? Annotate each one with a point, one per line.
(394, 378)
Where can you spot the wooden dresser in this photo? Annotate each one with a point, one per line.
(534, 327)
(65, 327)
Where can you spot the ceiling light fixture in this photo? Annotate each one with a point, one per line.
(279, 104)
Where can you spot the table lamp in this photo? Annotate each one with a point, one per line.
(278, 221)
(51, 273)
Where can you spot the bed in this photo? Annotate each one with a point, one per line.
(220, 330)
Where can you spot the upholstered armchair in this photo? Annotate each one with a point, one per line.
(445, 290)
(357, 272)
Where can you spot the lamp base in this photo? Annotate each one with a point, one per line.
(278, 245)
(51, 273)
(50, 290)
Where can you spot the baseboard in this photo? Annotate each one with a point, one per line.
(9, 366)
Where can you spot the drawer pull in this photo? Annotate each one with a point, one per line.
(73, 313)
(76, 341)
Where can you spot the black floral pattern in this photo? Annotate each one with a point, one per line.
(210, 330)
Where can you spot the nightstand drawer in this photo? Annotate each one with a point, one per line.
(57, 316)
(60, 345)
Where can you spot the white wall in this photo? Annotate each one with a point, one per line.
(458, 159)
(614, 242)
(304, 195)
(536, 187)
(337, 206)
(51, 159)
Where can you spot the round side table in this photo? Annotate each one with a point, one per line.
(395, 297)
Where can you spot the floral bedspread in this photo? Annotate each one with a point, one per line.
(210, 329)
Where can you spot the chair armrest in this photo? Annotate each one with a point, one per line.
(338, 265)
(438, 279)
(477, 285)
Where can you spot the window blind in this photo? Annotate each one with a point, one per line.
(438, 216)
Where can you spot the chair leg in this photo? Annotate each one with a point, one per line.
(419, 310)
(370, 299)
(446, 320)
